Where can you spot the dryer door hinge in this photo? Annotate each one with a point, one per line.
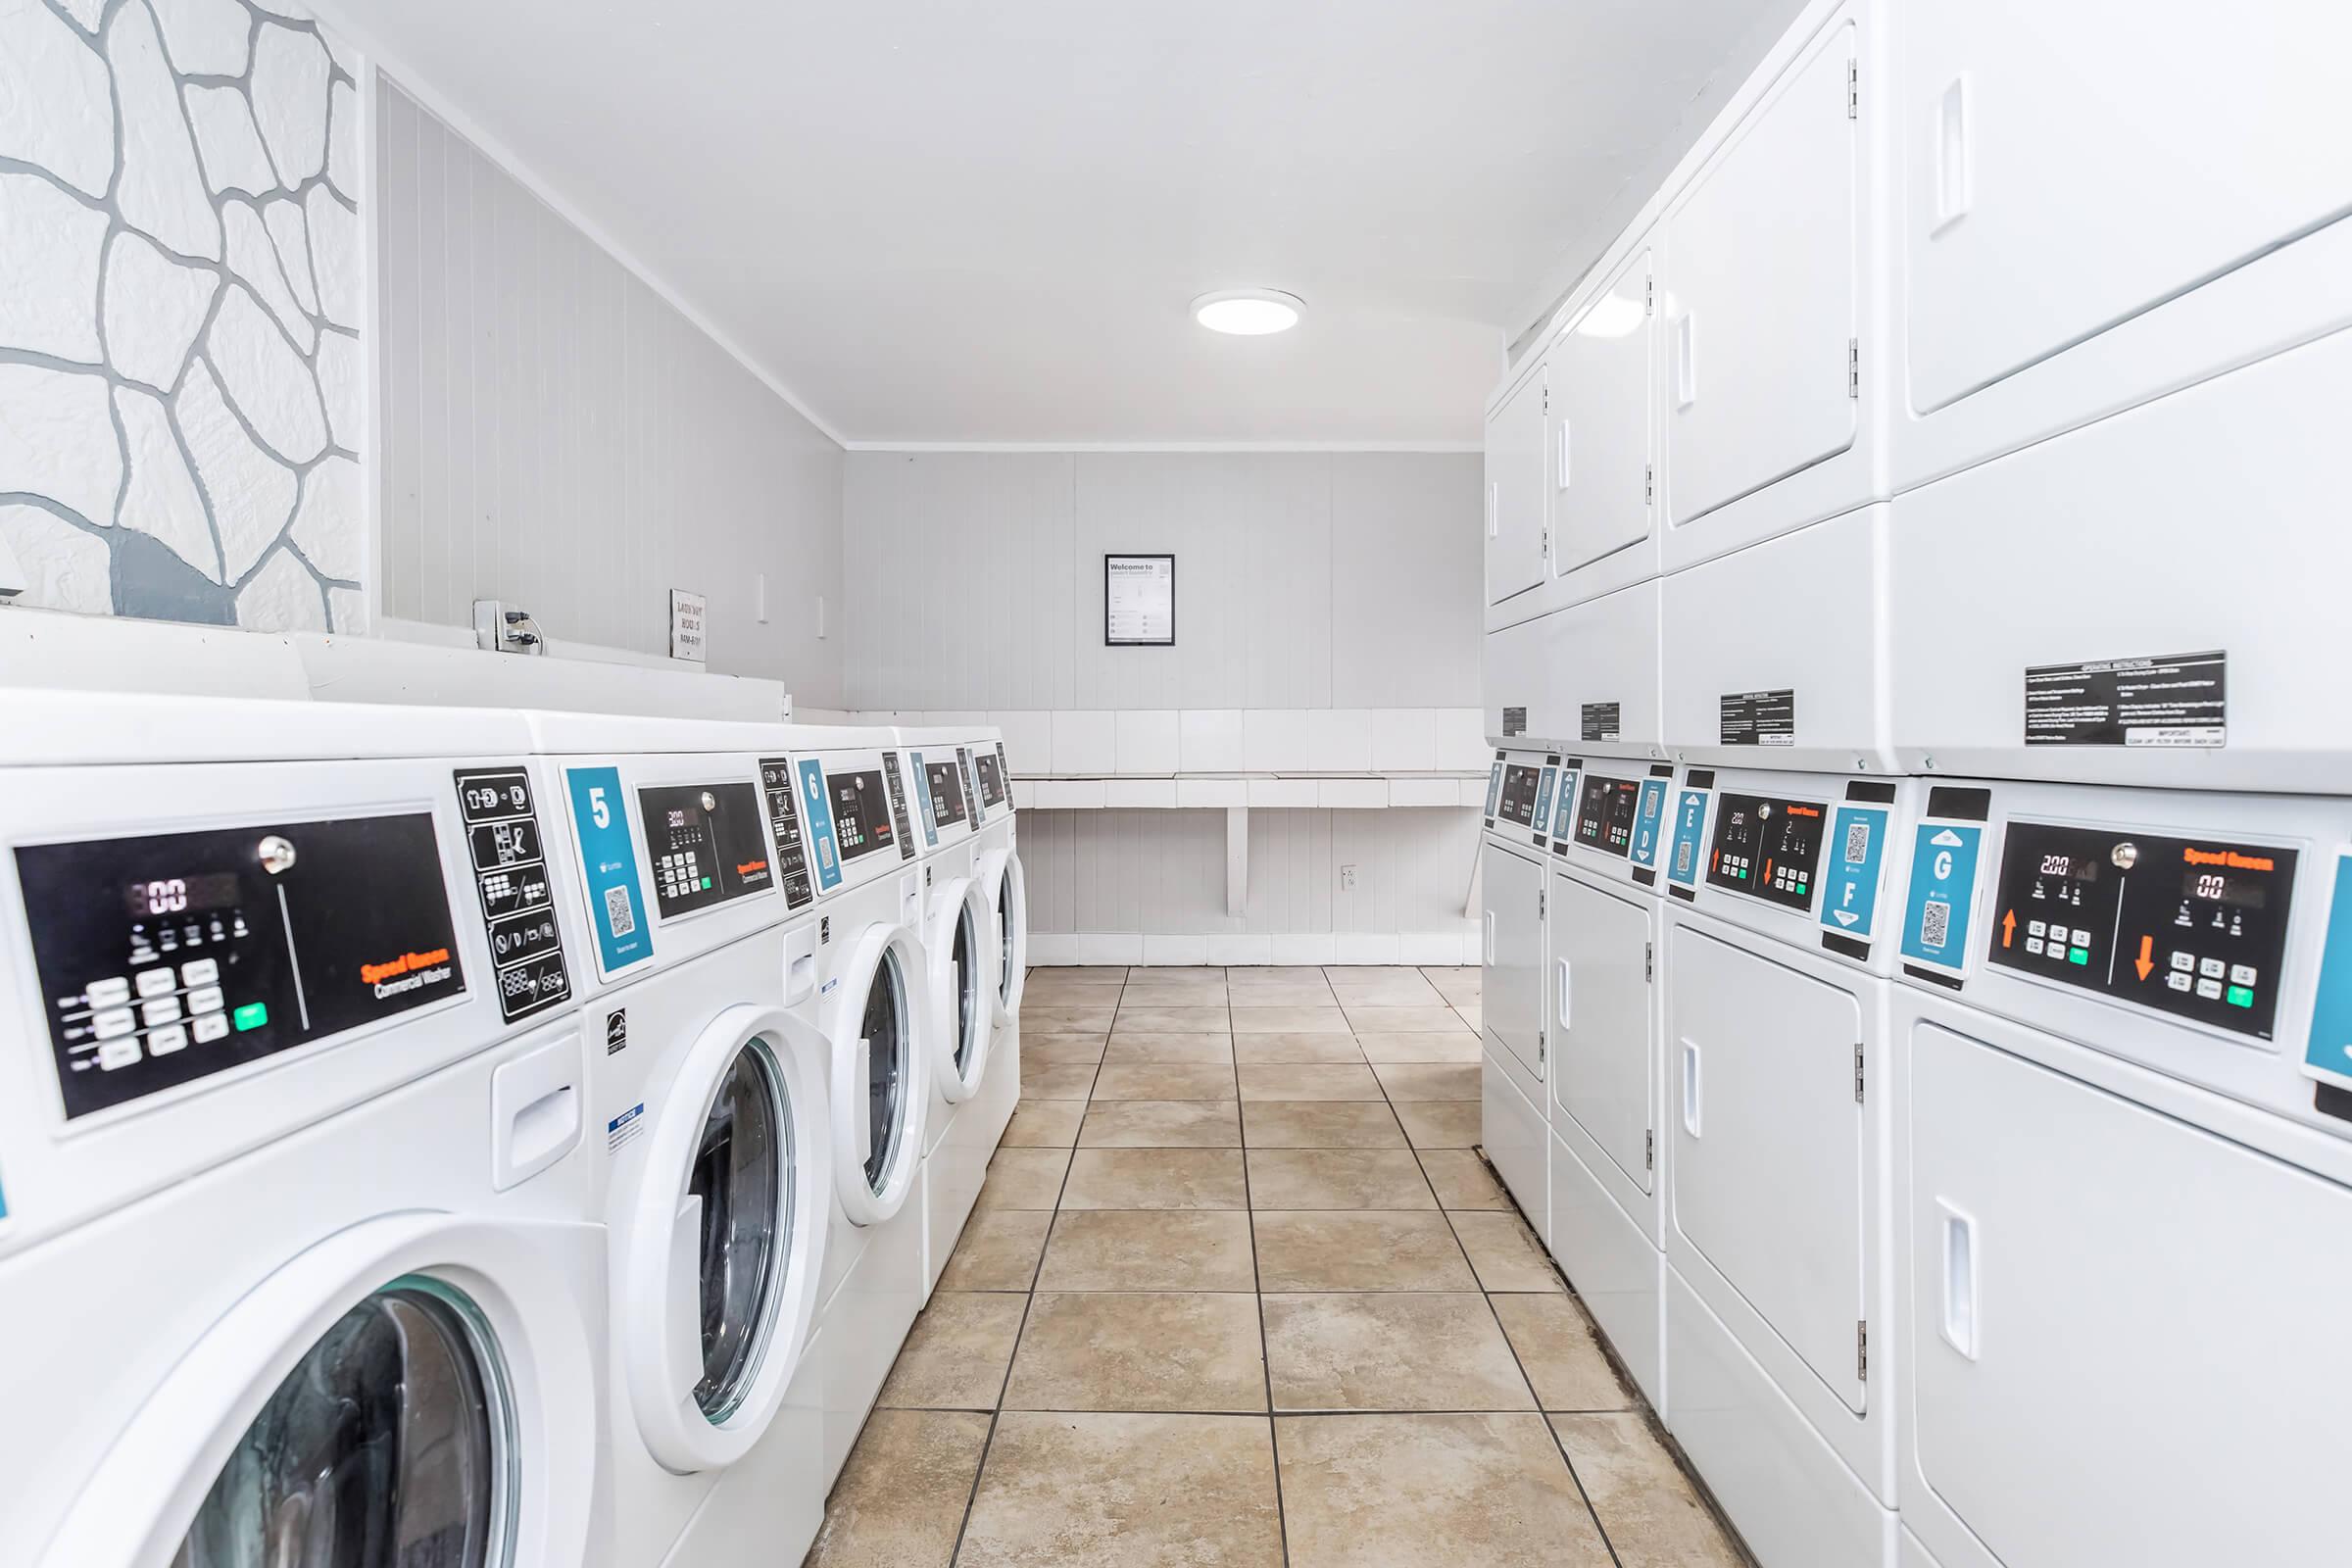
(1853, 89)
(1862, 1350)
(1649, 296)
(1853, 367)
(1649, 483)
(1649, 960)
(1542, 1046)
(1649, 1150)
(1543, 903)
(1548, 544)
(1858, 1083)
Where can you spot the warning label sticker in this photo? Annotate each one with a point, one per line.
(1514, 722)
(1756, 719)
(1599, 721)
(2170, 700)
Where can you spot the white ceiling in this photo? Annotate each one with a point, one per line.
(980, 223)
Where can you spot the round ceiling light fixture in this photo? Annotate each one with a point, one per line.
(1249, 312)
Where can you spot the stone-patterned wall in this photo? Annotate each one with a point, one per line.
(181, 294)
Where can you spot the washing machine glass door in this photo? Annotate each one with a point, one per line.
(738, 1176)
(386, 1447)
(1011, 894)
(963, 998)
(889, 1068)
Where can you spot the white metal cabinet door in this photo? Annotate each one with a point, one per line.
(1515, 492)
(1760, 296)
(1767, 1143)
(2127, 1333)
(1512, 929)
(1599, 478)
(1602, 1051)
(2067, 167)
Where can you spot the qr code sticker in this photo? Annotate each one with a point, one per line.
(619, 914)
(1935, 924)
(1857, 842)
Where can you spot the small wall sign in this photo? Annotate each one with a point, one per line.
(686, 624)
(1139, 601)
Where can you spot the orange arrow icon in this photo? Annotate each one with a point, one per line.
(2008, 926)
(2146, 959)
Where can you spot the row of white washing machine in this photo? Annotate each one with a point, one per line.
(1962, 1169)
(477, 1138)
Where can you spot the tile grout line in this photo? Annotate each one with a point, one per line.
(971, 1498)
(1265, 1359)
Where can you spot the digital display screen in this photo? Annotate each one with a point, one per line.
(2188, 928)
(708, 844)
(1518, 794)
(1605, 814)
(991, 769)
(198, 894)
(1767, 849)
(945, 781)
(860, 813)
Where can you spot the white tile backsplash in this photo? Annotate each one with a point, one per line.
(1086, 740)
(1339, 740)
(1274, 740)
(1210, 740)
(1404, 740)
(1462, 739)
(1147, 741)
(1028, 738)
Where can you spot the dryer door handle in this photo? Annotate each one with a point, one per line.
(1566, 977)
(1690, 1099)
(682, 1282)
(1959, 1236)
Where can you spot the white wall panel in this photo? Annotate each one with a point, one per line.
(557, 434)
(1303, 579)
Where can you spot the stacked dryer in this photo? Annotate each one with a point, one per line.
(1520, 786)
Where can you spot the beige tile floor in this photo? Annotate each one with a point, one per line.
(1240, 1291)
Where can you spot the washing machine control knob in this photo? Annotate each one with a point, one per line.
(277, 853)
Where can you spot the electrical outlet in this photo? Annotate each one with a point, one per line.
(1347, 879)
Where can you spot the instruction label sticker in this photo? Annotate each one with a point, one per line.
(1756, 719)
(1494, 790)
(1514, 722)
(1849, 901)
(1543, 799)
(623, 1129)
(1943, 891)
(2327, 1050)
(1563, 810)
(1597, 721)
(819, 813)
(1689, 835)
(2179, 699)
(1649, 816)
(608, 864)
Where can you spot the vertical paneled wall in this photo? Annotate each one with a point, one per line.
(557, 434)
(1304, 581)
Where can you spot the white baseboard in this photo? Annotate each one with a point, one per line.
(1062, 948)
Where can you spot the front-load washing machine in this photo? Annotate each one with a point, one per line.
(872, 1007)
(965, 1119)
(708, 1095)
(1602, 920)
(296, 1263)
(997, 862)
(1518, 823)
(2123, 1177)
(1781, 1344)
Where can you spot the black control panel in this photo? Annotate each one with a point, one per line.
(169, 957)
(945, 782)
(509, 882)
(898, 804)
(1768, 848)
(1518, 800)
(1605, 811)
(991, 769)
(784, 830)
(861, 821)
(707, 843)
(2192, 927)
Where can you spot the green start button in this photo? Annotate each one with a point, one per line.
(252, 1015)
